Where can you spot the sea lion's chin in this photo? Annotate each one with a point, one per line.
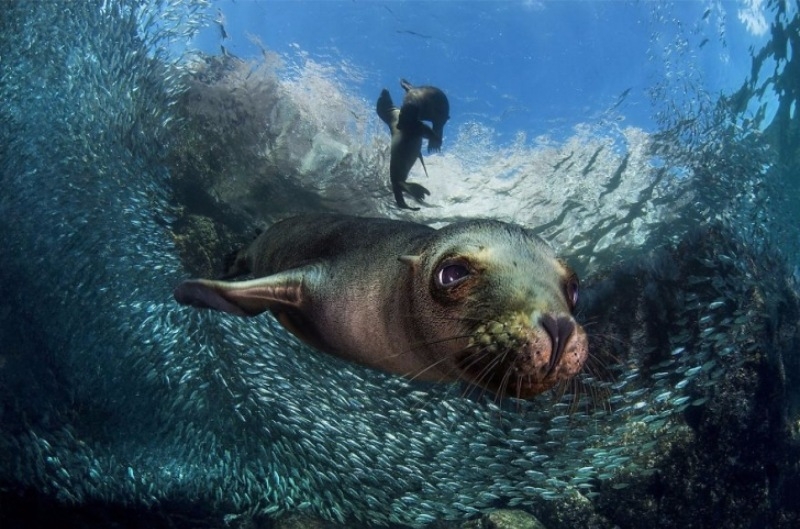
(521, 361)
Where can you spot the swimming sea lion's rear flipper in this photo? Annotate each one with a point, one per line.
(398, 188)
(415, 190)
(406, 85)
(246, 298)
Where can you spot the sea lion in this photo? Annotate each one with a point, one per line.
(406, 147)
(425, 103)
(481, 301)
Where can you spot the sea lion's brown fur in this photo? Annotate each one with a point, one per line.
(425, 103)
(482, 301)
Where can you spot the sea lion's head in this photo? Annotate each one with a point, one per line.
(497, 306)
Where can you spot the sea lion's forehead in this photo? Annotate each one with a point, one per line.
(490, 240)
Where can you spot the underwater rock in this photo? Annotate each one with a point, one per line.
(299, 521)
(253, 147)
(733, 460)
(201, 241)
(223, 128)
(505, 519)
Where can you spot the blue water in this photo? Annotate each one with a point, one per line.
(537, 67)
(653, 144)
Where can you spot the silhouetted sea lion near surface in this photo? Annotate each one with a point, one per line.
(481, 301)
(406, 147)
(425, 103)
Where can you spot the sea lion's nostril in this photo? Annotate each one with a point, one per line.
(559, 329)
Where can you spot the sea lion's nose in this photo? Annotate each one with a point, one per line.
(559, 328)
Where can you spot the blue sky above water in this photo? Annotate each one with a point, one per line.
(537, 67)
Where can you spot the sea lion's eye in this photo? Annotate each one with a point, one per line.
(571, 290)
(452, 273)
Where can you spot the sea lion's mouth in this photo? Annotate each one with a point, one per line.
(516, 360)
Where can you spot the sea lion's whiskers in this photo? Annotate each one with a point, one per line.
(566, 387)
(596, 394)
(599, 396)
(501, 388)
(417, 374)
(597, 367)
(587, 322)
(417, 345)
(558, 391)
(476, 356)
(412, 377)
(444, 376)
(501, 393)
(441, 378)
(471, 383)
(472, 386)
(519, 392)
(611, 339)
(608, 338)
(486, 371)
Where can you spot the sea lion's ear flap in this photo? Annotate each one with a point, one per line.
(410, 260)
(244, 298)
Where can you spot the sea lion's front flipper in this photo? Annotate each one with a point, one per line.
(384, 107)
(245, 298)
(434, 143)
(434, 138)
